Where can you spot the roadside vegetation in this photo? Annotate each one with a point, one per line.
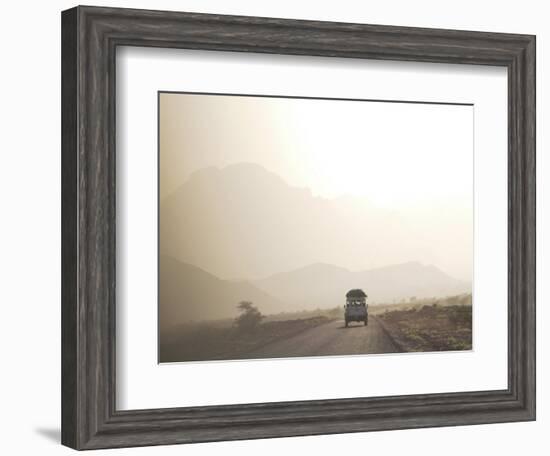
(414, 303)
(435, 327)
(429, 324)
(234, 339)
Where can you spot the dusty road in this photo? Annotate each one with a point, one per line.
(331, 339)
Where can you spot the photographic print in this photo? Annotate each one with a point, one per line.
(299, 227)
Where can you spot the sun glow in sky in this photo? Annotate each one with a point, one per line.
(393, 154)
(403, 164)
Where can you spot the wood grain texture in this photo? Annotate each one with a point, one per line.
(89, 39)
(69, 228)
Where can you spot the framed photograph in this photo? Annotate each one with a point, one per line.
(282, 227)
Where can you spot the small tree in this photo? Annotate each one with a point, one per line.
(249, 318)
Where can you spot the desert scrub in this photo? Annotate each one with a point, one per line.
(432, 327)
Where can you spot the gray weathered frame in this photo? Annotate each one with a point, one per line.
(90, 36)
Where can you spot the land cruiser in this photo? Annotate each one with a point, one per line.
(356, 308)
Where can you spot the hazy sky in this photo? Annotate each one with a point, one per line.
(394, 154)
(397, 156)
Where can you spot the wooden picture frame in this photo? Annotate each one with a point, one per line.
(90, 36)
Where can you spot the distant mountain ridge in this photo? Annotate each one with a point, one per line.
(243, 221)
(322, 285)
(188, 293)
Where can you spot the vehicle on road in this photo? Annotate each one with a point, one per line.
(356, 308)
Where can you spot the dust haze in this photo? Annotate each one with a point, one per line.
(288, 203)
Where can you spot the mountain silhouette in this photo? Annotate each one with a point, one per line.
(187, 293)
(324, 286)
(244, 222)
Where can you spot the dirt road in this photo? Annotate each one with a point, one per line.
(330, 339)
